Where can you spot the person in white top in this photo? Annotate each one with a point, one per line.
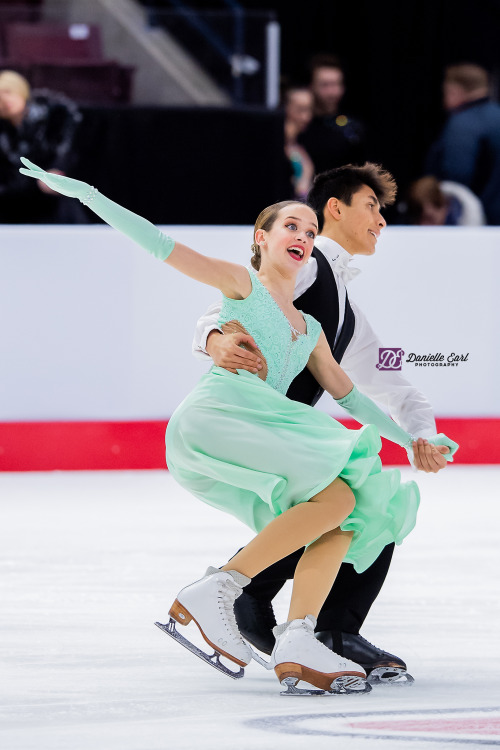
(347, 201)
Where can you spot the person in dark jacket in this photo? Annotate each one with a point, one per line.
(468, 148)
(41, 126)
(333, 137)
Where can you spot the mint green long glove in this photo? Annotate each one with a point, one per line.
(138, 229)
(365, 411)
(442, 439)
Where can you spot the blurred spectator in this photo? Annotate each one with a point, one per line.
(434, 203)
(298, 106)
(332, 138)
(41, 126)
(468, 149)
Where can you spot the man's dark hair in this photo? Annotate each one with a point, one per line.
(343, 182)
(324, 60)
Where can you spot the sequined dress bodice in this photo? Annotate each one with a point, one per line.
(260, 314)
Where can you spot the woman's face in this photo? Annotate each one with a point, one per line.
(299, 109)
(290, 241)
(12, 105)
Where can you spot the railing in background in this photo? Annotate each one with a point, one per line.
(240, 49)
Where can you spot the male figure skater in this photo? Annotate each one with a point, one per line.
(347, 201)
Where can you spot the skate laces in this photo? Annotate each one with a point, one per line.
(368, 643)
(308, 624)
(227, 593)
(321, 646)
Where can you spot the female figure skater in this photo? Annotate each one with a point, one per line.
(293, 474)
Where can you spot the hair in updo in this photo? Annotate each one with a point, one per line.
(265, 221)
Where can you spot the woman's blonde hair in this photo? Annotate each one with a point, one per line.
(265, 221)
(12, 81)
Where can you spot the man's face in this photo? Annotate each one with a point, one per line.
(362, 222)
(328, 88)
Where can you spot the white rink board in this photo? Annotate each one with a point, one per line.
(94, 328)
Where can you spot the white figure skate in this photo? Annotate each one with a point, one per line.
(298, 655)
(209, 602)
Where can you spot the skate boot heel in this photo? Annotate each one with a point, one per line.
(180, 613)
(289, 672)
(332, 682)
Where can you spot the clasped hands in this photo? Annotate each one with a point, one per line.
(237, 350)
(428, 457)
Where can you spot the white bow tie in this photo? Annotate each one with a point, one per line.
(342, 268)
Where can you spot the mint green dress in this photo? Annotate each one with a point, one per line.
(239, 444)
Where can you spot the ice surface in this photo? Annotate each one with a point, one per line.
(90, 560)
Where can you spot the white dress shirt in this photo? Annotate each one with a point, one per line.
(406, 405)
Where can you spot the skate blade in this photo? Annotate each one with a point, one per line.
(390, 676)
(340, 686)
(212, 659)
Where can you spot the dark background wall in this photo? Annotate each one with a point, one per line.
(394, 54)
(211, 166)
(185, 166)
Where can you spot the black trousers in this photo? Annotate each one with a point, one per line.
(350, 598)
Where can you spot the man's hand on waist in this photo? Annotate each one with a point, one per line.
(235, 350)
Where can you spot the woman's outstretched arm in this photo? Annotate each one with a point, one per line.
(231, 278)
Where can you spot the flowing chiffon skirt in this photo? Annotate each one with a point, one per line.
(243, 447)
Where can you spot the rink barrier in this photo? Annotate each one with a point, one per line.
(94, 446)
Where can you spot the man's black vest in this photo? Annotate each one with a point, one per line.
(321, 301)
